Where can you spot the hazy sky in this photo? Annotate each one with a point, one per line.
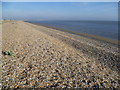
(60, 10)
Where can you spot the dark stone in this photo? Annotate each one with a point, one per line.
(88, 82)
(95, 86)
(83, 81)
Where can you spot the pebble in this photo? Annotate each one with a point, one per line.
(50, 62)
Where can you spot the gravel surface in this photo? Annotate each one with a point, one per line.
(105, 53)
(44, 57)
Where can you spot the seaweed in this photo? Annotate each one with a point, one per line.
(10, 53)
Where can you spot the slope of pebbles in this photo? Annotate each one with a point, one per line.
(41, 60)
(106, 53)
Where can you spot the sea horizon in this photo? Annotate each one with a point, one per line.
(106, 29)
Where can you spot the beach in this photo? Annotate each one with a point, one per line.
(45, 57)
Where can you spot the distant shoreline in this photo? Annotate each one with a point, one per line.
(100, 38)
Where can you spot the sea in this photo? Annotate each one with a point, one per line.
(108, 29)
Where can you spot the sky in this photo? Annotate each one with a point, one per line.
(60, 11)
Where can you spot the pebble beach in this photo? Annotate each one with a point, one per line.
(44, 57)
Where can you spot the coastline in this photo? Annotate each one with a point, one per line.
(49, 58)
(104, 39)
(85, 42)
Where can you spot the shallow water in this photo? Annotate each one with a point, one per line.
(108, 29)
